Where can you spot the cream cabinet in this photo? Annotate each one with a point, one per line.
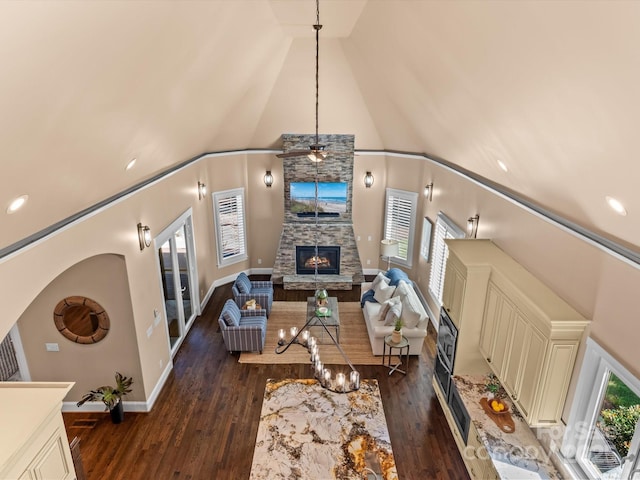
(455, 281)
(497, 328)
(463, 298)
(529, 336)
(34, 442)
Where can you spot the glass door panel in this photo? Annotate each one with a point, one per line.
(184, 278)
(171, 303)
(176, 258)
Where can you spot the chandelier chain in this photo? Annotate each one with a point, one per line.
(317, 28)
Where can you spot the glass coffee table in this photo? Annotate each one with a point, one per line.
(331, 318)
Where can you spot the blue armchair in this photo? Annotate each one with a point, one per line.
(243, 330)
(244, 289)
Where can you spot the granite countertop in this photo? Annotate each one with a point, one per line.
(516, 455)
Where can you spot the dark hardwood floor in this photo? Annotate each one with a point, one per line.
(205, 422)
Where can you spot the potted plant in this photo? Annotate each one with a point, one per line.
(110, 396)
(492, 384)
(396, 335)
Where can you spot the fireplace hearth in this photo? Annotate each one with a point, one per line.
(327, 260)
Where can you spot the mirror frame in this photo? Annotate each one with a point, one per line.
(103, 319)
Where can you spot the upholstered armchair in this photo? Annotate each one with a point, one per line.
(261, 291)
(243, 330)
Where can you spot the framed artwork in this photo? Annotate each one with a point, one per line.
(425, 245)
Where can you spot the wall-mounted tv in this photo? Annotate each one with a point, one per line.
(332, 197)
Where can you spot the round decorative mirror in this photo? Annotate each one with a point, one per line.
(81, 320)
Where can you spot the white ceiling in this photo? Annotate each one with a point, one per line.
(549, 88)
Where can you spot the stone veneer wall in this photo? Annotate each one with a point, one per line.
(337, 167)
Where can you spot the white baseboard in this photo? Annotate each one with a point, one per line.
(372, 271)
(129, 406)
(261, 271)
(70, 407)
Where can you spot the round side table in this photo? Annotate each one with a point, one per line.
(403, 349)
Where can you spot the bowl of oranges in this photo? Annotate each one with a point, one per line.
(498, 406)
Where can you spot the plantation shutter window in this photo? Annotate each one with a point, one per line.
(399, 224)
(230, 226)
(444, 229)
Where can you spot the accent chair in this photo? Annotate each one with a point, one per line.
(261, 291)
(243, 330)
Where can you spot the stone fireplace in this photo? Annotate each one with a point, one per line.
(303, 230)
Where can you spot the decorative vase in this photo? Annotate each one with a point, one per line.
(321, 297)
(396, 336)
(117, 413)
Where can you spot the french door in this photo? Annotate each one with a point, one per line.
(176, 261)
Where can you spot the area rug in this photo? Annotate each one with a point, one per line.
(354, 338)
(308, 432)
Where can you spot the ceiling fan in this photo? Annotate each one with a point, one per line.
(316, 152)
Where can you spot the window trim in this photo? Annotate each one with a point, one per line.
(241, 219)
(412, 199)
(440, 252)
(596, 366)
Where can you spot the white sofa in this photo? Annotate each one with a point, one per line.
(378, 330)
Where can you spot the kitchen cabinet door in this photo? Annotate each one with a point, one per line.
(513, 362)
(533, 353)
(489, 322)
(496, 330)
(453, 291)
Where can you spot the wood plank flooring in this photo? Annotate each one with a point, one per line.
(205, 422)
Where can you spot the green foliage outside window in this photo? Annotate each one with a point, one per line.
(621, 413)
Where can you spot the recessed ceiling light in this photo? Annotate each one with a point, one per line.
(130, 164)
(616, 205)
(502, 165)
(16, 204)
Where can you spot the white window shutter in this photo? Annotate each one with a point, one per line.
(444, 229)
(230, 226)
(400, 220)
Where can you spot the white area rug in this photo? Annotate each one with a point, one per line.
(307, 432)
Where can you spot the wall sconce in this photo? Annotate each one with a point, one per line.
(268, 179)
(144, 236)
(202, 190)
(472, 226)
(368, 179)
(428, 191)
(389, 248)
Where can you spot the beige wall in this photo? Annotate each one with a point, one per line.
(102, 278)
(595, 283)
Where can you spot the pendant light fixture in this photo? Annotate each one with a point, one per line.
(316, 152)
(341, 382)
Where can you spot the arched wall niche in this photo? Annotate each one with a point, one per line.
(103, 279)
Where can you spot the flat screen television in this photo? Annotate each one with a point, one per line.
(332, 197)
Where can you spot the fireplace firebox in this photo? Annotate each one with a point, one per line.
(327, 260)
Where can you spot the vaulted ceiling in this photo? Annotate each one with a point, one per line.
(548, 88)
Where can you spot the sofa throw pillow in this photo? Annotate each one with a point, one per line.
(243, 283)
(395, 310)
(403, 289)
(386, 306)
(395, 275)
(231, 314)
(412, 310)
(379, 278)
(383, 292)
